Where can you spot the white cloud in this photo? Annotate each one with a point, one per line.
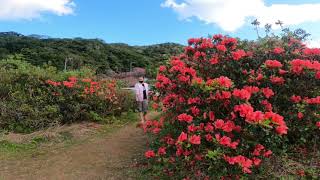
(314, 43)
(30, 9)
(233, 14)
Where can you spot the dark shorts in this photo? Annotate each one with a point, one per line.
(143, 106)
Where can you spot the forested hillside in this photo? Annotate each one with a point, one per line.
(78, 52)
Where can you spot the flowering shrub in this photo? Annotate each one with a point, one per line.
(29, 101)
(229, 104)
(83, 98)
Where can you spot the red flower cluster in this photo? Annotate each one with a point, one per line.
(273, 64)
(222, 103)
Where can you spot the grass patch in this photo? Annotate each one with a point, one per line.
(10, 149)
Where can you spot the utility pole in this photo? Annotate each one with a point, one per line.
(131, 66)
(66, 62)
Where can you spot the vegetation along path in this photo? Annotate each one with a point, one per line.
(112, 155)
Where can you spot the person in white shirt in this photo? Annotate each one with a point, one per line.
(142, 90)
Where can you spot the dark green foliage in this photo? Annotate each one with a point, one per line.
(79, 52)
(27, 103)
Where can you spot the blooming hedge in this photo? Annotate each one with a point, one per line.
(229, 104)
(86, 99)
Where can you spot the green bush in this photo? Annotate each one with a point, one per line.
(28, 102)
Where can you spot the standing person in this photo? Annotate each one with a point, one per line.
(142, 90)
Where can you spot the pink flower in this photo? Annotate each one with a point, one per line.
(185, 117)
(267, 92)
(300, 115)
(318, 124)
(208, 137)
(241, 94)
(149, 154)
(295, 99)
(278, 50)
(183, 137)
(273, 64)
(221, 48)
(224, 81)
(219, 124)
(162, 151)
(194, 139)
(162, 68)
(211, 115)
(238, 54)
(277, 80)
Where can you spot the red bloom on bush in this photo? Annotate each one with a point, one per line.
(214, 60)
(211, 115)
(300, 115)
(162, 151)
(183, 137)
(195, 139)
(221, 48)
(273, 64)
(238, 54)
(224, 81)
(317, 75)
(149, 154)
(295, 99)
(162, 68)
(278, 50)
(195, 111)
(68, 84)
(256, 161)
(185, 117)
(267, 92)
(219, 124)
(241, 94)
(318, 124)
(277, 80)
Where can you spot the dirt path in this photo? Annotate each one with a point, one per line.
(110, 157)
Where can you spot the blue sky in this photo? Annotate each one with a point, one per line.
(142, 22)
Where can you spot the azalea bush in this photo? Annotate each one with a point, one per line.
(227, 105)
(86, 99)
(33, 98)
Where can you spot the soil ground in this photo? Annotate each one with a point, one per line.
(112, 155)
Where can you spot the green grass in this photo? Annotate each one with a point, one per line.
(10, 149)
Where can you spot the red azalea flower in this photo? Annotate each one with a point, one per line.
(317, 75)
(162, 151)
(185, 117)
(192, 128)
(183, 137)
(300, 115)
(256, 161)
(318, 124)
(277, 80)
(238, 54)
(223, 81)
(195, 139)
(241, 94)
(278, 50)
(219, 124)
(295, 99)
(273, 64)
(267, 92)
(214, 60)
(162, 68)
(221, 48)
(149, 154)
(211, 115)
(208, 137)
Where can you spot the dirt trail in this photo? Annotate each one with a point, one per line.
(110, 157)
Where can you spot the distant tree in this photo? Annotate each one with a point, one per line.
(256, 24)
